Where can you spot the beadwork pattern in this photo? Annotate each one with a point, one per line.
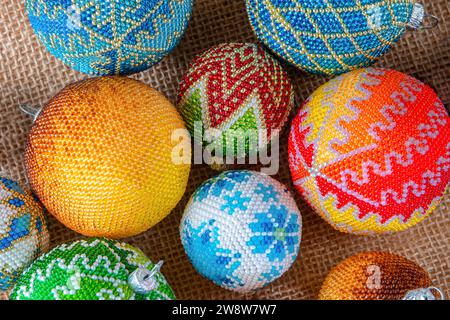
(23, 231)
(373, 276)
(93, 269)
(99, 157)
(235, 88)
(241, 230)
(106, 37)
(370, 151)
(329, 36)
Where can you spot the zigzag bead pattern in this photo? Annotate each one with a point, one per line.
(107, 37)
(370, 151)
(330, 36)
(241, 230)
(23, 231)
(93, 269)
(234, 88)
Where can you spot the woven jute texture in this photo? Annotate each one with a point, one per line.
(30, 75)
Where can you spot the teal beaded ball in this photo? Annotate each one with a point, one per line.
(93, 269)
(332, 36)
(23, 231)
(107, 37)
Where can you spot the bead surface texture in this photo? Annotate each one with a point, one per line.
(329, 36)
(23, 231)
(233, 90)
(108, 37)
(241, 230)
(100, 157)
(369, 151)
(93, 269)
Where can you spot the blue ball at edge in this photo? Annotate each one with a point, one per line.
(108, 37)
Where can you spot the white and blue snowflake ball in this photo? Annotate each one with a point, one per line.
(241, 230)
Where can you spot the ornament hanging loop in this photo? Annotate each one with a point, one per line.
(144, 281)
(420, 20)
(32, 111)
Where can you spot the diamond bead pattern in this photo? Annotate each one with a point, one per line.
(329, 36)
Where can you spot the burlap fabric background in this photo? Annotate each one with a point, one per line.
(30, 75)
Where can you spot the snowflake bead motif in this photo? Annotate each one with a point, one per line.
(241, 230)
(332, 36)
(107, 37)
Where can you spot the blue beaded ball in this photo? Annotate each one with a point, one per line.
(106, 37)
(331, 36)
(242, 230)
(23, 232)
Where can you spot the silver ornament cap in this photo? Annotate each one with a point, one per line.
(424, 294)
(143, 280)
(417, 16)
(420, 19)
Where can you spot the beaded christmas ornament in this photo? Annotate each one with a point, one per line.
(99, 157)
(94, 269)
(241, 230)
(107, 37)
(332, 36)
(232, 91)
(23, 231)
(370, 151)
(375, 276)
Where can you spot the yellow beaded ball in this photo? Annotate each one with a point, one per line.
(99, 157)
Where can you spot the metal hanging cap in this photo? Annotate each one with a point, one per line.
(421, 20)
(32, 111)
(425, 294)
(144, 281)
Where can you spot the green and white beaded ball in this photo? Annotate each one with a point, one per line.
(93, 269)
